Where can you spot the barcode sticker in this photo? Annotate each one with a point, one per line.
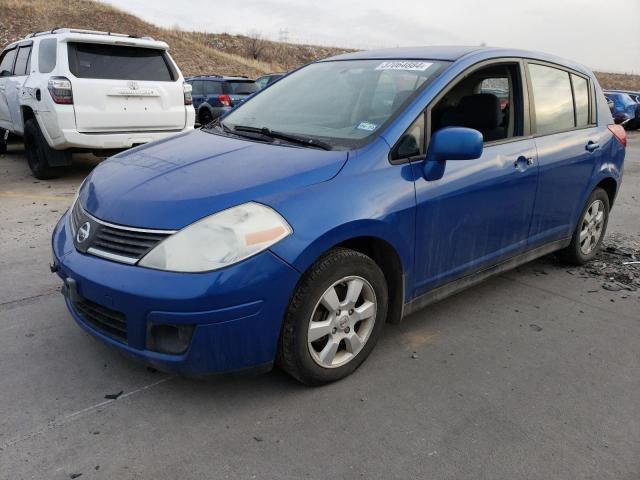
(404, 65)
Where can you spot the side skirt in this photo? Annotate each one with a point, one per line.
(455, 286)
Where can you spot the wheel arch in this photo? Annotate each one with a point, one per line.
(609, 185)
(374, 238)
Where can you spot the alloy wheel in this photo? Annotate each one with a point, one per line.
(342, 322)
(592, 227)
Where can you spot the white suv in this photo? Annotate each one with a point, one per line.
(79, 90)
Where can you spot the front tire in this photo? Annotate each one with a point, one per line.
(39, 153)
(590, 230)
(334, 319)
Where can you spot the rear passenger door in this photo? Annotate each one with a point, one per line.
(568, 142)
(196, 93)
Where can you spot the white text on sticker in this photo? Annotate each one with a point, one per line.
(404, 65)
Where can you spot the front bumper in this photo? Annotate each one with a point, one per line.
(236, 312)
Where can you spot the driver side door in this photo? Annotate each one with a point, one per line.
(478, 214)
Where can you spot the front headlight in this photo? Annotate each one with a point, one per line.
(219, 240)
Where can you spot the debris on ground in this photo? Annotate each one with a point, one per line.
(617, 263)
(414, 355)
(535, 328)
(114, 396)
(75, 475)
(258, 439)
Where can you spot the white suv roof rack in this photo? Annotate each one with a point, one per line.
(78, 30)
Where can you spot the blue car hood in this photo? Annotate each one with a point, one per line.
(172, 183)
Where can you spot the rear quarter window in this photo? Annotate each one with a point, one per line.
(581, 95)
(211, 87)
(47, 54)
(118, 62)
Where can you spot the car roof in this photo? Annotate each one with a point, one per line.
(453, 53)
(91, 36)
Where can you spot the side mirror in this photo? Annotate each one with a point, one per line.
(451, 143)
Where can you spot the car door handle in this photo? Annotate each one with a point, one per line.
(592, 146)
(523, 162)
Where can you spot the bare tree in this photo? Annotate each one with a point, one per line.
(256, 45)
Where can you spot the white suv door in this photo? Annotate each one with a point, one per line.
(14, 84)
(6, 71)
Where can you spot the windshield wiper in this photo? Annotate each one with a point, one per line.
(287, 137)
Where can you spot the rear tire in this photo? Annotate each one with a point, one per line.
(590, 230)
(341, 301)
(3, 142)
(39, 153)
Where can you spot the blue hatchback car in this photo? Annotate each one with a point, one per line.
(350, 193)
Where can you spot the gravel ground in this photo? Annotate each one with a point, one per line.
(534, 374)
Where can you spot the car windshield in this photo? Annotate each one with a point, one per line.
(341, 103)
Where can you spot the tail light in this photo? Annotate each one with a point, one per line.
(60, 90)
(188, 99)
(620, 133)
(225, 100)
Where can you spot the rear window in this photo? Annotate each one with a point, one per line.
(212, 87)
(118, 62)
(243, 88)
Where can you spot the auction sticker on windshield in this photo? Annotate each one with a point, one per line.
(404, 65)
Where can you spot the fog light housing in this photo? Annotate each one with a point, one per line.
(167, 338)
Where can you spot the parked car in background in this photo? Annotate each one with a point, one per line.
(69, 90)
(626, 111)
(633, 94)
(291, 230)
(215, 95)
(266, 80)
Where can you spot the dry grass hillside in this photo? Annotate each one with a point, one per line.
(195, 52)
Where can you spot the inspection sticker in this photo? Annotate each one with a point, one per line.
(369, 127)
(404, 65)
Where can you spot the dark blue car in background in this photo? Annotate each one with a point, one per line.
(348, 194)
(626, 111)
(215, 95)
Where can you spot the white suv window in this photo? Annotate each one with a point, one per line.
(117, 62)
(47, 53)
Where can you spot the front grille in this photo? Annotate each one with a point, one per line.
(107, 321)
(114, 242)
(126, 243)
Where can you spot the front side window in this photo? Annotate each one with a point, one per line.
(343, 103)
(47, 54)
(6, 63)
(23, 61)
(488, 100)
(118, 62)
(552, 98)
(581, 95)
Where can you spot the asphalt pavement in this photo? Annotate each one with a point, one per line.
(535, 374)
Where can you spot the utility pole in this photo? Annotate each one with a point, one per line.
(283, 35)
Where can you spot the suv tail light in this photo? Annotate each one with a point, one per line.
(60, 90)
(620, 133)
(187, 89)
(225, 100)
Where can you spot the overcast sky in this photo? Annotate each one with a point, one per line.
(603, 38)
